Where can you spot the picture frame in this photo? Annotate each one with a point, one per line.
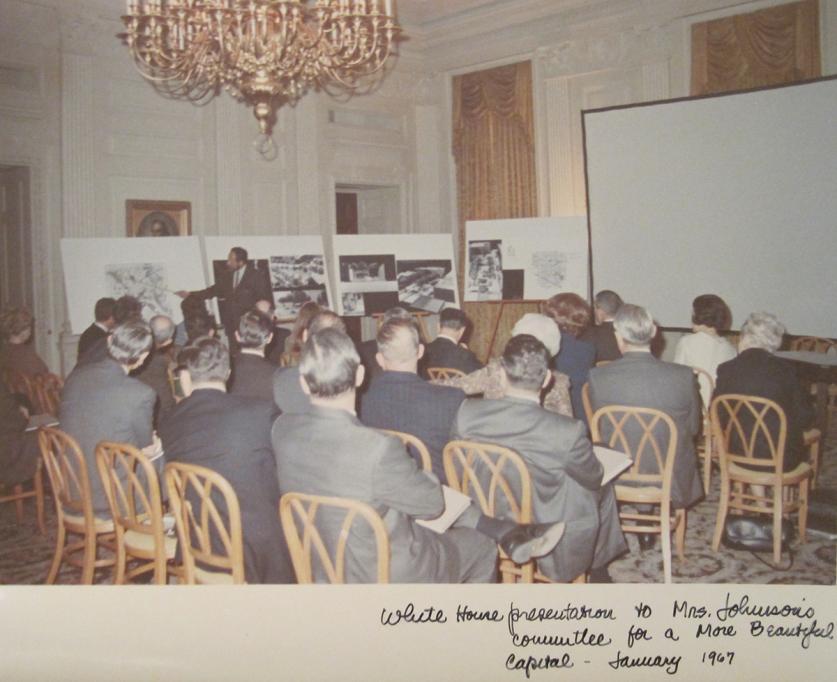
(155, 218)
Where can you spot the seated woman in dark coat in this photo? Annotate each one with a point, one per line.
(757, 372)
(18, 449)
(572, 315)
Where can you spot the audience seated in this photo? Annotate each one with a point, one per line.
(293, 344)
(327, 451)
(757, 372)
(230, 434)
(566, 475)
(400, 400)
(101, 402)
(489, 381)
(191, 306)
(446, 349)
(368, 350)
(274, 349)
(252, 373)
(639, 379)
(18, 449)
(199, 325)
(601, 335)
(287, 391)
(18, 351)
(126, 308)
(103, 315)
(155, 371)
(704, 348)
(572, 315)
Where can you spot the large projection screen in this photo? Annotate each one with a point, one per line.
(734, 195)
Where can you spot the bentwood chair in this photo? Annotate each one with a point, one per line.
(704, 447)
(46, 389)
(585, 401)
(416, 448)
(320, 529)
(133, 491)
(18, 494)
(816, 344)
(497, 478)
(751, 434)
(208, 521)
(434, 373)
(649, 438)
(68, 477)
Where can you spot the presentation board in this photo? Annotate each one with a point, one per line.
(732, 195)
(294, 265)
(149, 268)
(526, 258)
(376, 272)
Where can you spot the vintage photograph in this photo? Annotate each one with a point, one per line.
(144, 281)
(485, 270)
(367, 268)
(426, 284)
(297, 272)
(149, 218)
(288, 302)
(353, 304)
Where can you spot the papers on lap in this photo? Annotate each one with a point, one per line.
(455, 504)
(36, 421)
(613, 461)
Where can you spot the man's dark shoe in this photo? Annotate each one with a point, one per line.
(600, 575)
(531, 540)
(646, 541)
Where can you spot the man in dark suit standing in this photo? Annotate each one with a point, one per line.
(103, 314)
(101, 402)
(566, 475)
(238, 290)
(602, 335)
(230, 434)
(252, 373)
(641, 380)
(400, 400)
(445, 350)
(327, 451)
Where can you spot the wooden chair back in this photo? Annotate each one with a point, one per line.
(707, 387)
(68, 475)
(47, 390)
(288, 359)
(310, 549)
(133, 490)
(414, 446)
(585, 401)
(444, 373)
(816, 344)
(750, 431)
(195, 495)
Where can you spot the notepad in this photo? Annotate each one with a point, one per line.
(36, 421)
(613, 461)
(455, 504)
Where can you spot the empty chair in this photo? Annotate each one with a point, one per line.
(208, 521)
(318, 553)
(414, 446)
(434, 373)
(68, 477)
(649, 438)
(133, 491)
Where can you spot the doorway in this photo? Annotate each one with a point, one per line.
(16, 287)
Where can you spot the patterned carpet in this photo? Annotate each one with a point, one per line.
(25, 555)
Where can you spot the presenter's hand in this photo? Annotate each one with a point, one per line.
(182, 293)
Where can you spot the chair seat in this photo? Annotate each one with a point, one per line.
(213, 578)
(644, 494)
(143, 542)
(99, 525)
(739, 473)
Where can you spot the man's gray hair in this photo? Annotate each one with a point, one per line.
(129, 340)
(543, 328)
(634, 324)
(162, 327)
(608, 302)
(398, 339)
(762, 330)
(329, 363)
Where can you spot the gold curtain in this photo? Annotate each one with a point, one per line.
(769, 47)
(494, 150)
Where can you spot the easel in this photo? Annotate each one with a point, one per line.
(496, 325)
(419, 316)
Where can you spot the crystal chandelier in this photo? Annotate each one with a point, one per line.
(265, 53)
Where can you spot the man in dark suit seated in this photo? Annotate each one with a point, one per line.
(445, 350)
(327, 451)
(400, 400)
(252, 373)
(566, 475)
(103, 314)
(274, 349)
(641, 380)
(602, 335)
(127, 308)
(155, 371)
(101, 402)
(230, 434)
(368, 350)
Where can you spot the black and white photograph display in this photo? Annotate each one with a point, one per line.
(384, 270)
(294, 268)
(426, 284)
(149, 268)
(146, 282)
(526, 258)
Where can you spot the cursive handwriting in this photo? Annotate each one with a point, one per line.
(543, 663)
(409, 615)
(670, 663)
(744, 608)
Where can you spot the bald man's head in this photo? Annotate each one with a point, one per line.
(162, 327)
(399, 345)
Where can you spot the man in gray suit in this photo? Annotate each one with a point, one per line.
(565, 473)
(101, 402)
(327, 451)
(640, 380)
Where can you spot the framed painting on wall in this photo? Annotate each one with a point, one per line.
(151, 218)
